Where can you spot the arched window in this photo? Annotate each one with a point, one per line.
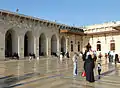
(71, 46)
(78, 46)
(112, 45)
(98, 46)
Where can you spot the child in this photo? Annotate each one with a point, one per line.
(75, 64)
(99, 69)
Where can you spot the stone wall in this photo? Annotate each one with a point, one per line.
(20, 26)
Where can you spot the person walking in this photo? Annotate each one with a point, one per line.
(74, 64)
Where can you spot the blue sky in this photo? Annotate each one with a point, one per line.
(77, 12)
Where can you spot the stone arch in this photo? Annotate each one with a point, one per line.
(42, 45)
(28, 43)
(63, 44)
(53, 45)
(11, 44)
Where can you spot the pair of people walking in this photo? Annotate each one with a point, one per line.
(88, 65)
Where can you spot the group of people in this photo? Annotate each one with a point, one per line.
(89, 59)
(113, 57)
(12, 55)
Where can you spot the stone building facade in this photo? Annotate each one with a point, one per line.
(24, 35)
(104, 37)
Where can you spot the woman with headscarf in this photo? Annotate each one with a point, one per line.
(89, 65)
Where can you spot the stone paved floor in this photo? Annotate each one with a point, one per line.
(51, 73)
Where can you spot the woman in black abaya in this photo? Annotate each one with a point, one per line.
(89, 63)
(89, 66)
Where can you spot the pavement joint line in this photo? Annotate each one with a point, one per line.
(20, 84)
(108, 81)
(54, 71)
(103, 74)
(59, 69)
(23, 83)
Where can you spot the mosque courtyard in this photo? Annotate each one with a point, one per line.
(51, 73)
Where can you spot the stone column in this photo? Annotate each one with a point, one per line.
(49, 46)
(58, 46)
(66, 44)
(34, 45)
(37, 46)
(21, 46)
(2, 46)
(18, 46)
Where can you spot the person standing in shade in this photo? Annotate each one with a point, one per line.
(74, 64)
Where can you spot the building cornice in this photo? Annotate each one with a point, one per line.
(42, 21)
(103, 32)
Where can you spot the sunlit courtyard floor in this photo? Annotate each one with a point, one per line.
(51, 73)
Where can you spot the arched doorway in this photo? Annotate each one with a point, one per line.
(98, 46)
(28, 43)
(42, 45)
(53, 45)
(63, 45)
(9, 43)
(112, 45)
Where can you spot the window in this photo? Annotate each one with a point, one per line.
(78, 46)
(112, 45)
(98, 46)
(71, 46)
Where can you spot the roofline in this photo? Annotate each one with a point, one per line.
(103, 32)
(36, 18)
